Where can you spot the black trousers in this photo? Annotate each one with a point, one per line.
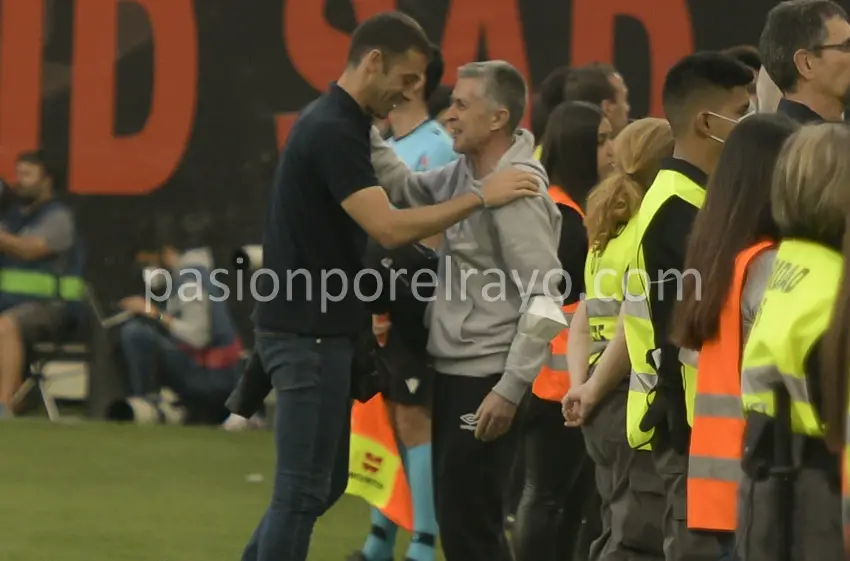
(559, 487)
(470, 476)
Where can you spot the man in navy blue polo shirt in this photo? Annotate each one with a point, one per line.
(325, 202)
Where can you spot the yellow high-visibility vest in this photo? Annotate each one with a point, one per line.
(794, 314)
(640, 334)
(604, 273)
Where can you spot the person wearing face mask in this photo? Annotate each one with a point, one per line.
(577, 154)
(805, 48)
(704, 96)
(41, 266)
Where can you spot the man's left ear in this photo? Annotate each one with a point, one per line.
(500, 119)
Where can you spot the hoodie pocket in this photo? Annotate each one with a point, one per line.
(491, 317)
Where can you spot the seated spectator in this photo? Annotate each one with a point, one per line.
(41, 284)
(192, 344)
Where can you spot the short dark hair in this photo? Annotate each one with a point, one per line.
(746, 54)
(570, 144)
(38, 158)
(433, 72)
(738, 195)
(590, 84)
(791, 26)
(696, 75)
(549, 96)
(393, 33)
(439, 100)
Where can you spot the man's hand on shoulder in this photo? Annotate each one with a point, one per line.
(508, 185)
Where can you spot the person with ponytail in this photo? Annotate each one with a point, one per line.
(632, 500)
(809, 201)
(726, 273)
(577, 153)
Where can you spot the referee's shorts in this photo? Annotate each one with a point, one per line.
(404, 370)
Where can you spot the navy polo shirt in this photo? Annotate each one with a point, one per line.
(311, 244)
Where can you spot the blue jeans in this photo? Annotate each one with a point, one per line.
(145, 349)
(312, 382)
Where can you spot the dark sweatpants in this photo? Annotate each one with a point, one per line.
(470, 476)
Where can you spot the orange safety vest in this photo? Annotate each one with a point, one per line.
(375, 469)
(714, 467)
(553, 381)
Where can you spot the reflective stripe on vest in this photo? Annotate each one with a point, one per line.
(604, 272)
(39, 284)
(553, 381)
(640, 335)
(714, 466)
(794, 314)
(375, 469)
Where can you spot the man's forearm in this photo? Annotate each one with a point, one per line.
(410, 225)
(27, 248)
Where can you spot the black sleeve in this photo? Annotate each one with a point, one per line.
(664, 245)
(814, 382)
(572, 252)
(369, 284)
(344, 158)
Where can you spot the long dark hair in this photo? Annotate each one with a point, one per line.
(835, 359)
(570, 148)
(736, 214)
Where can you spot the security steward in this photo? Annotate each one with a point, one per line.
(795, 514)
(41, 266)
(704, 96)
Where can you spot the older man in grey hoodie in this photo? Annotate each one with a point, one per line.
(497, 304)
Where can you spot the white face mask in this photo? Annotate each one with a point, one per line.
(728, 119)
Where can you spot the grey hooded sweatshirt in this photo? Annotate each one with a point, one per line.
(493, 263)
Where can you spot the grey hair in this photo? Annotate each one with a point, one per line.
(503, 85)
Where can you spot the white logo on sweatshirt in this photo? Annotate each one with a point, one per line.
(468, 422)
(412, 384)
